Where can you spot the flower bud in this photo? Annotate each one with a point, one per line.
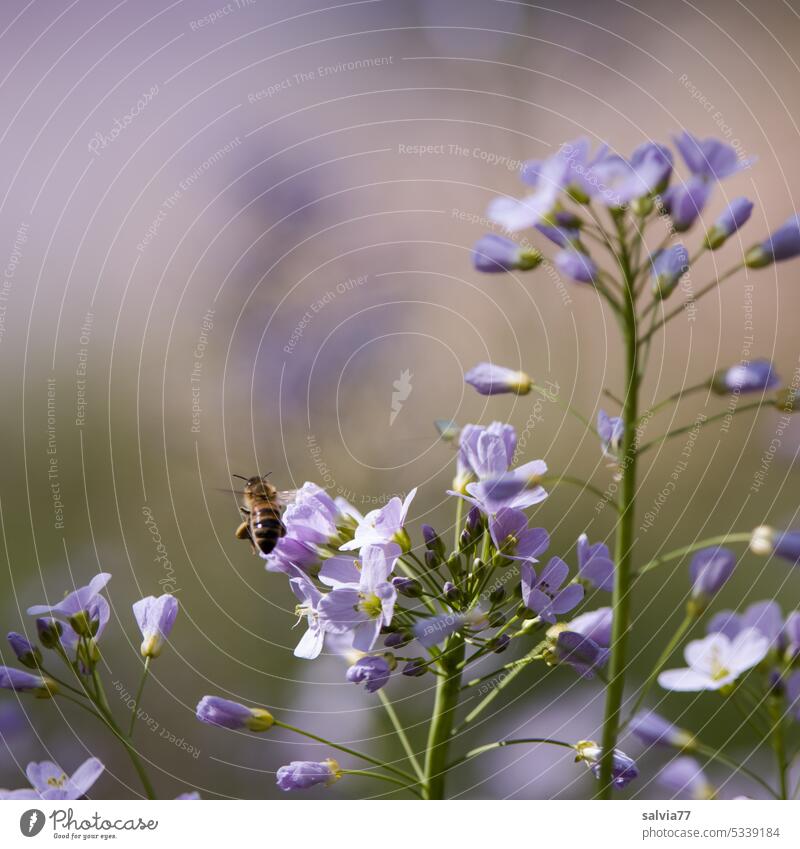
(766, 541)
(653, 730)
(451, 592)
(455, 564)
(784, 243)
(499, 644)
(497, 620)
(493, 254)
(27, 654)
(409, 587)
(735, 216)
(489, 379)
(623, 769)
(49, 631)
(415, 668)
(433, 541)
(755, 376)
(40, 686)
(668, 266)
(228, 714)
(82, 624)
(709, 570)
(576, 265)
(497, 595)
(432, 560)
(397, 640)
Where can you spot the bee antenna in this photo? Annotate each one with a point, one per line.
(241, 477)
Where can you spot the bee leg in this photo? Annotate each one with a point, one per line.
(243, 532)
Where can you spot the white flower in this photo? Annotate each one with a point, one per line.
(716, 661)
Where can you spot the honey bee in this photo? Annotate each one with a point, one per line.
(263, 507)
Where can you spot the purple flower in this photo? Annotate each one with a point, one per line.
(709, 570)
(710, 159)
(493, 254)
(790, 636)
(549, 178)
(580, 652)
(85, 609)
(385, 525)
(622, 181)
(610, 429)
(544, 595)
(363, 608)
(300, 775)
(512, 536)
(26, 682)
(27, 654)
(576, 265)
(716, 661)
(595, 624)
(561, 236)
(767, 540)
(490, 379)
(214, 710)
(312, 641)
(736, 215)
(684, 202)
(371, 671)
(313, 521)
(486, 453)
(793, 693)
(784, 243)
(667, 268)
(50, 782)
(685, 778)
(191, 796)
(434, 630)
(764, 616)
(653, 730)
(155, 617)
(595, 564)
(755, 376)
(623, 769)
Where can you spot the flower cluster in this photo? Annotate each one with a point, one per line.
(70, 631)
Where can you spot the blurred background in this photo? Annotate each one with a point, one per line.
(228, 229)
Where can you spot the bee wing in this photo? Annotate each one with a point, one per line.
(287, 496)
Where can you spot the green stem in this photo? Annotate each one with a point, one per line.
(448, 690)
(548, 396)
(677, 396)
(513, 669)
(693, 300)
(401, 734)
(557, 479)
(779, 745)
(697, 424)
(138, 696)
(623, 574)
(459, 521)
(679, 634)
(368, 758)
(105, 710)
(369, 774)
(473, 753)
(715, 755)
(695, 546)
